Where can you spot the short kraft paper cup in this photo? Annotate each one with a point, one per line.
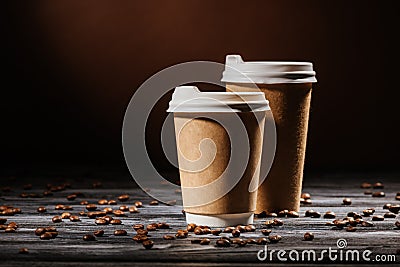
(219, 184)
(287, 86)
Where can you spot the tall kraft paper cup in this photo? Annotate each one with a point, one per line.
(209, 153)
(288, 86)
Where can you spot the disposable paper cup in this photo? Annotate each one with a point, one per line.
(287, 86)
(213, 131)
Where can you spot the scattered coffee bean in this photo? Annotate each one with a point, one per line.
(96, 214)
(140, 238)
(378, 186)
(151, 227)
(41, 209)
(394, 208)
(306, 201)
(123, 198)
(74, 218)
(292, 214)
(163, 225)
(351, 229)
(91, 207)
(10, 230)
(153, 202)
(305, 196)
(67, 208)
(65, 215)
(101, 221)
(148, 244)
(368, 192)
(262, 241)
(23, 251)
(251, 241)
(250, 228)
(112, 202)
(367, 224)
(368, 212)
(366, 185)
(190, 227)
(236, 240)
(84, 202)
(346, 201)
(119, 213)
(235, 233)
(283, 213)
(3, 220)
(138, 226)
(99, 233)
(198, 231)
(46, 236)
(89, 238)
(397, 198)
(378, 194)
(274, 238)
(308, 236)
(223, 243)
(389, 215)
(168, 237)
(397, 224)
(216, 231)
(108, 210)
(205, 241)
(242, 243)
(40, 231)
(102, 202)
(56, 219)
(116, 222)
(378, 218)
(329, 215)
(124, 208)
(241, 228)
(181, 234)
(387, 206)
(133, 209)
(277, 222)
(229, 229)
(72, 197)
(120, 232)
(266, 231)
(339, 223)
(138, 204)
(142, 232)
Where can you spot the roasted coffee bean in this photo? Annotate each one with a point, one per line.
(50, 229)
(96, 214)
(277, 222)
(100, 221)
(153, 202)
(151, 227)
(116, 222)
(112, 202)
(120, 232)
(65, 215)
(242, 243)
(397, 197)
(235, 233)
(3, 220)
(91, 207)
(366, 185)
(138, 226)
(59, 207)
(308, 213)
(198, 231)
(163, 225)
(148, 244)
(56, 219)
(340, 223)
(53, 234)
(216, 231)
(367, 224)
(308, 236)
(251, 241)
(274, 238)
(142, 232)
(46, 236)
(378, 218)
(387, 206)
(266, 231)
(3, 227)
(119, 213)
(351, 214)
(23, 195)
(262, 241)
(23, 251)
(351, 229)
(368, 212)
(240, 228)
(108, 210)
(133, 209)
(74, 218)
(236, 240)
(346, 201)
(389, 215)
(368, 192)
(10, 230)
(41, 209)
(269, 223)
(205, 241)
(102, 202)
(181, 234)
(223, 243)
(206, 231)
(72, 197)
(168, 237)
(89, 238)
(39, 231)
(378, 194)
(250, 228)
(283, 213)
(305, 196)
(140, 238)
(397, 224)
(84, 202)
(123, 198)
(306, 201)
(378, 185)
(292, 214)
(138, 204)
(68, 208)
(329, 215)
(124, 208)
(12, 225)
(394, 208)
(99, 233)
(229, 229)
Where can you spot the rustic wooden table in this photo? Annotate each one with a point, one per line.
(68, 248)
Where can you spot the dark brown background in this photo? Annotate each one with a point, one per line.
(71, 67)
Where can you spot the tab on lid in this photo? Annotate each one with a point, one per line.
(190, 99)
(267, 72)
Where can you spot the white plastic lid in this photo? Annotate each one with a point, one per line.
(190, 99)
(267, 72)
